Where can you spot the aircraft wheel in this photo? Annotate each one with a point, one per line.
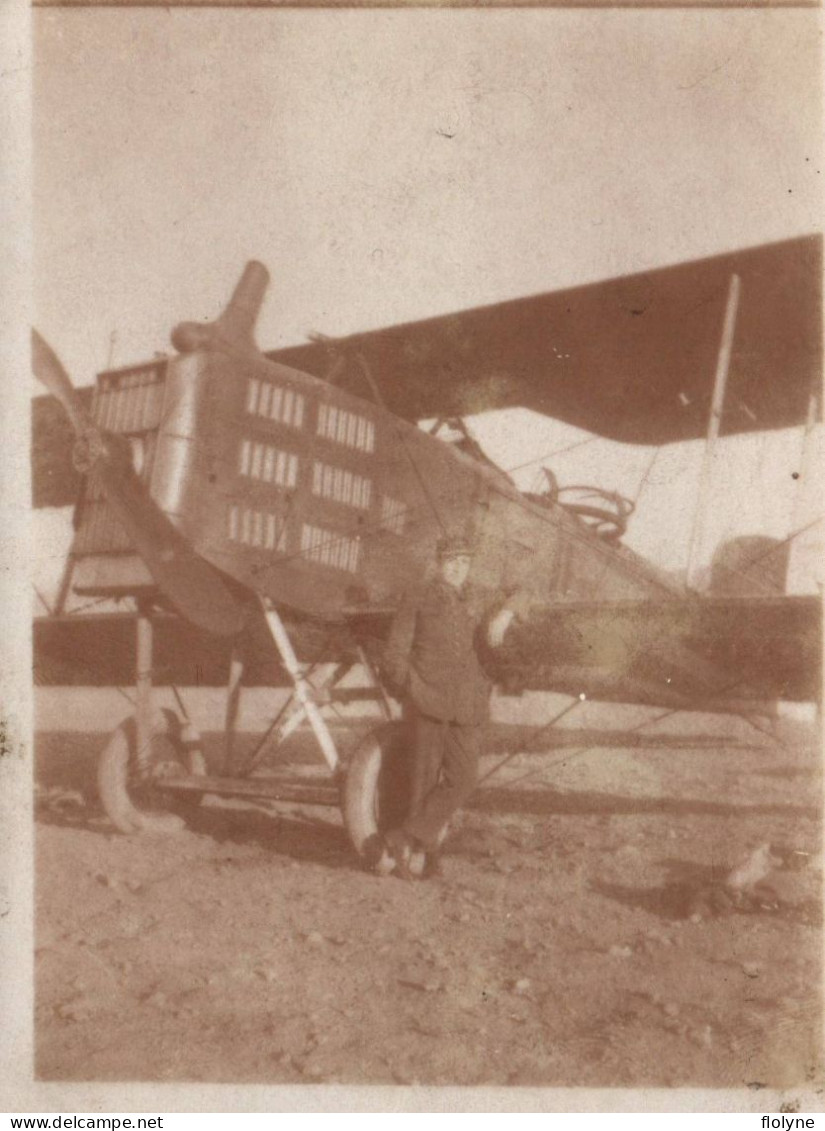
(131, 798)
(377, 786)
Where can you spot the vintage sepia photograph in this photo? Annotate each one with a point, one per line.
(426, 487)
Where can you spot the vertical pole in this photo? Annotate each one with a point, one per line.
(717, 404)
(65, 585)
(805, 464)
(143, 690)
(804, 538)
(233, 700)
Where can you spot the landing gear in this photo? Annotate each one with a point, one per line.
(377, 786)
(143, 751)
(130, 792)
(154, 762)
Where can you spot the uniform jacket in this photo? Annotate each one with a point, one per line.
(431, 653)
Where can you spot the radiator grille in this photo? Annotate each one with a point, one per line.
(128, 402)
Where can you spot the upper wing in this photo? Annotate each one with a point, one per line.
(631, 358)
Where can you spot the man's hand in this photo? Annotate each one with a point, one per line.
(498, 626)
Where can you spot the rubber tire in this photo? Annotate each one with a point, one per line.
(377, 785)
(113, 783)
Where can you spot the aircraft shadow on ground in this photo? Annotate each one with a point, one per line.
(305, 838)
(308, 839)
(543, 802)
(69, 799)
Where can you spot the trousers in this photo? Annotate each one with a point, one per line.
(444, 773)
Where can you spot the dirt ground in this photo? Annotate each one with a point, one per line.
(583, 933)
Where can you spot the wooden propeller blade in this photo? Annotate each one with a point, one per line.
(49, 371)
(194, 587)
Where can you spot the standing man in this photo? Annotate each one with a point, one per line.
(432, 659)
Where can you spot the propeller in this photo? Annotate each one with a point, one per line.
(235, 327)
(194, 588)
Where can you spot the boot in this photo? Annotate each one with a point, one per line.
(400, 845)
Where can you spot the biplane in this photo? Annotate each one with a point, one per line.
(266, 500)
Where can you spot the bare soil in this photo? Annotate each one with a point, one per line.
(583, 933)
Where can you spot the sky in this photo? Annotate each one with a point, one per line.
(391, 165)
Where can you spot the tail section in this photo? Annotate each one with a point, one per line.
(750, 566)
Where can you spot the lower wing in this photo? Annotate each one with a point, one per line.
(714, 653)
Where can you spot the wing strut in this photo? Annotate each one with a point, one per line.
(302, 688)
(717, 403)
